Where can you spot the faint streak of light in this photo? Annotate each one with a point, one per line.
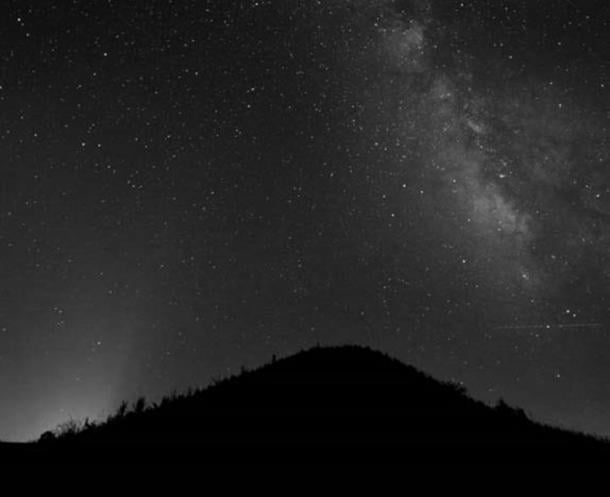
(549, 326)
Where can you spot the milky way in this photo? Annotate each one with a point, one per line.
(191, 188)
(521, 164)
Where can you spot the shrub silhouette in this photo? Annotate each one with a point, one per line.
(47, 436)
(139, 405)
(122, 410)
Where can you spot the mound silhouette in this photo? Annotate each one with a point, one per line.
(347, 404)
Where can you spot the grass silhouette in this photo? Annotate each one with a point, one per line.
(324, 404)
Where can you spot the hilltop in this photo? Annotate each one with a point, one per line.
(321, 405)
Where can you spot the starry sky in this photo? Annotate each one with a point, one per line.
(189, 187)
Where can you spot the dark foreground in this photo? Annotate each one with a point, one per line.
(339, 405)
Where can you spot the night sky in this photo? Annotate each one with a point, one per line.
(189, 187)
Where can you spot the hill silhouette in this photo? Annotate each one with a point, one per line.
(348, 404)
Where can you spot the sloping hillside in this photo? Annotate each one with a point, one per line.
(322, 405)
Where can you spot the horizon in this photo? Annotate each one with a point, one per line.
(197, 390)
(140, 405)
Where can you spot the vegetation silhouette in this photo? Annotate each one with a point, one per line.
(347, 404)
